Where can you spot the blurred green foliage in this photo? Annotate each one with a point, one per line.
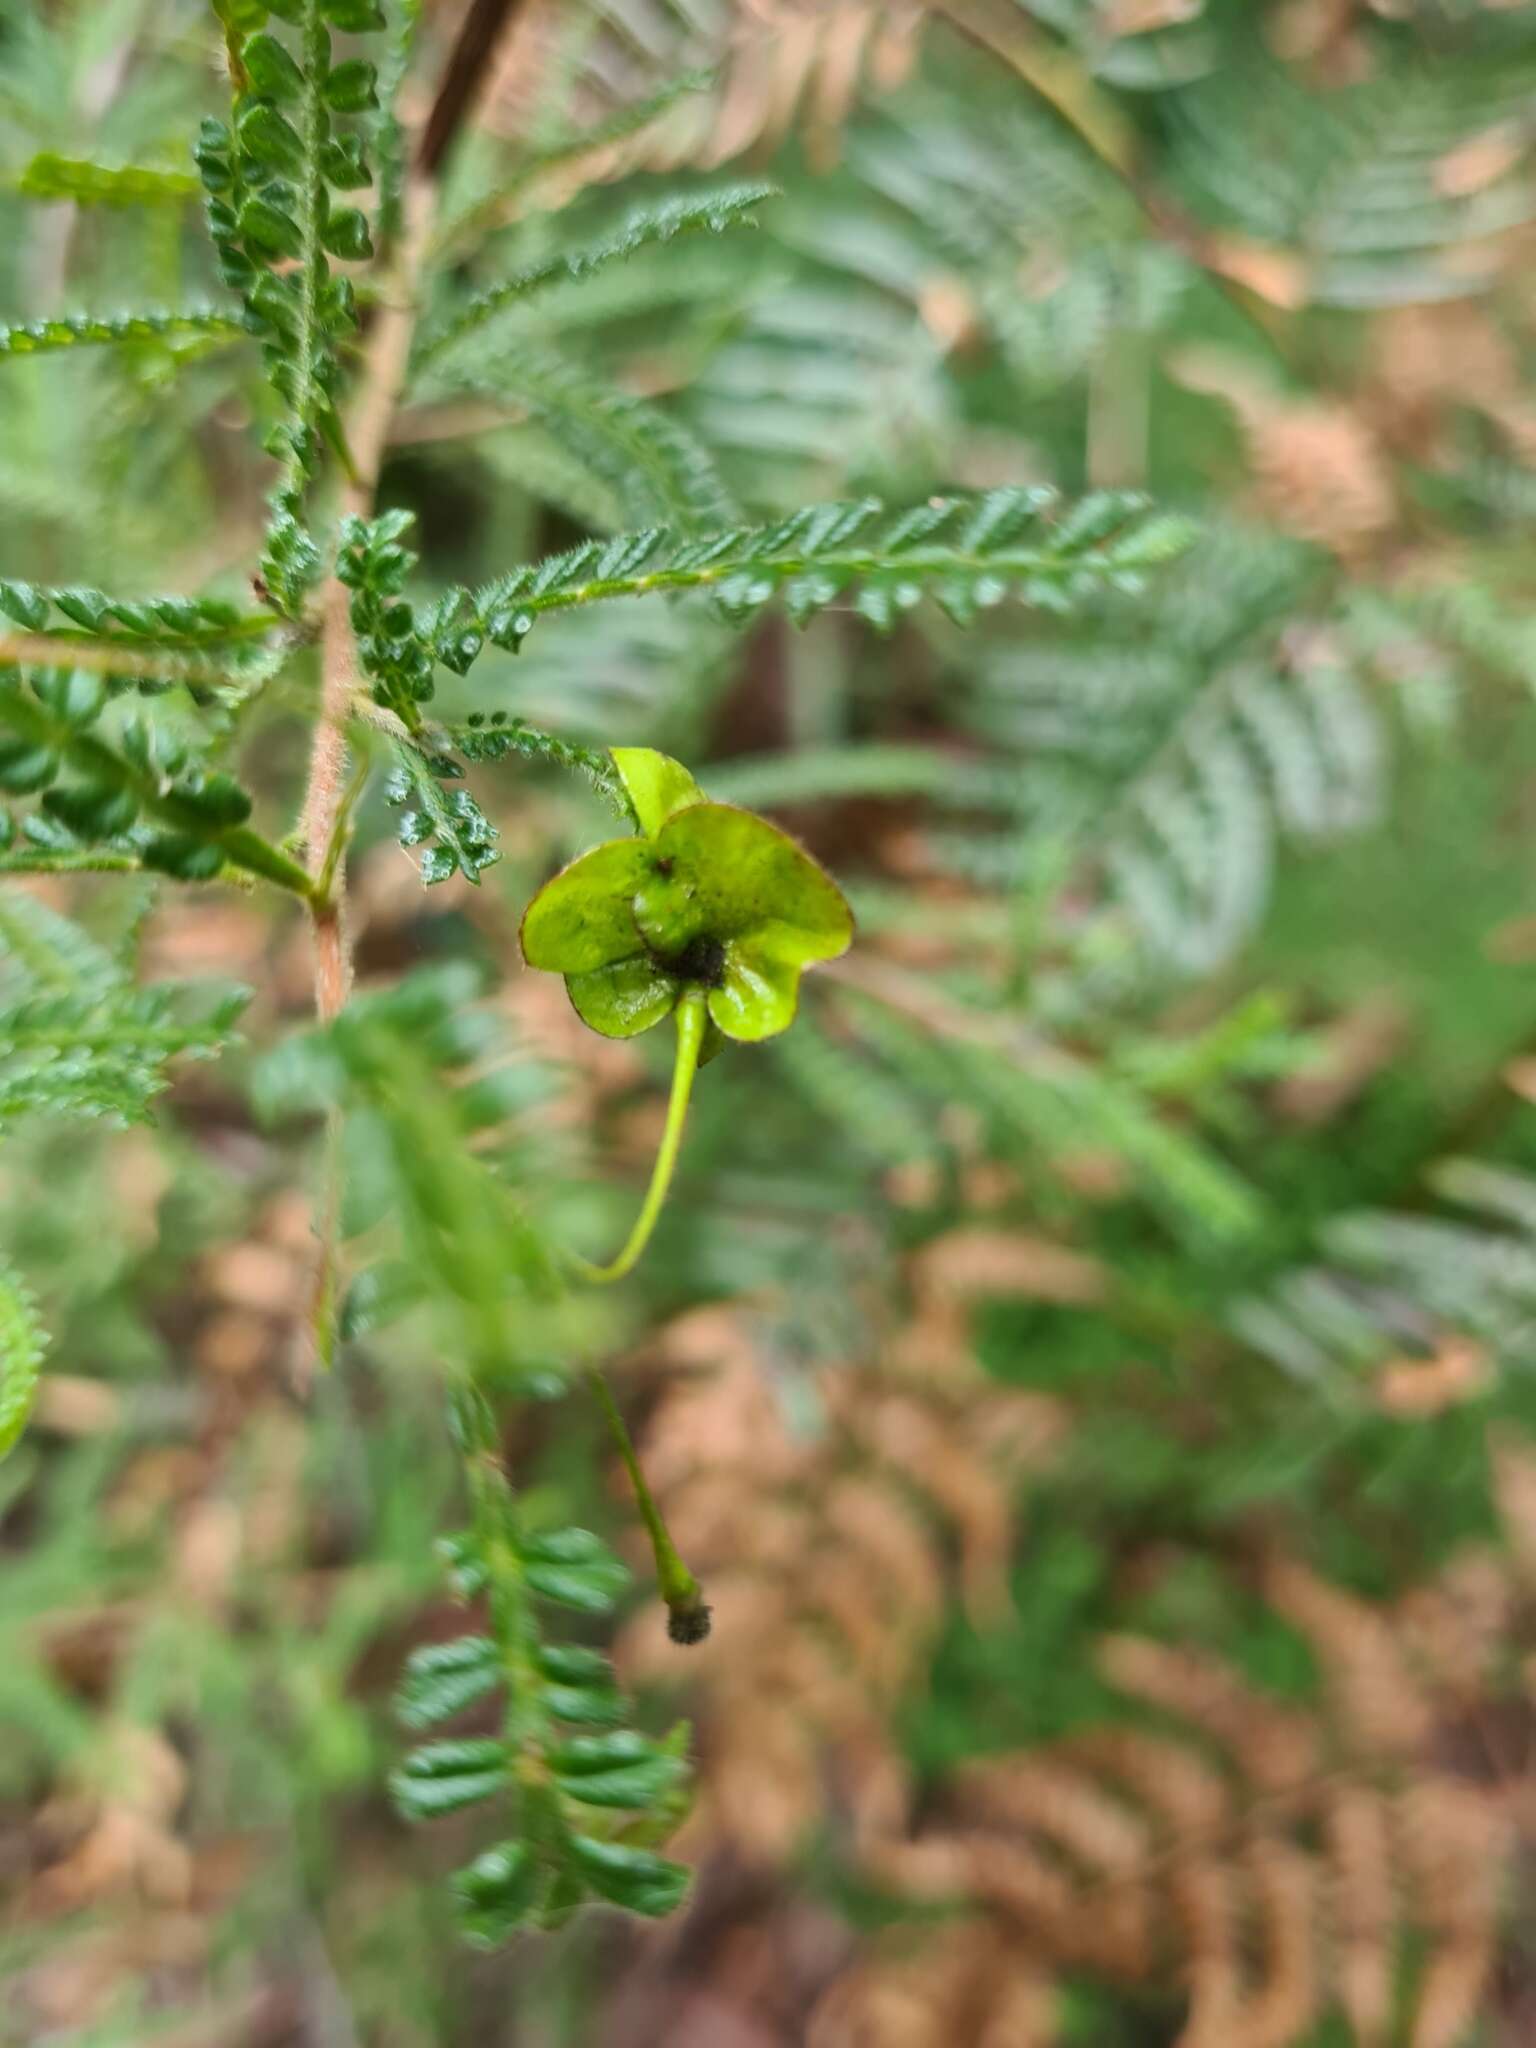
(1193, 940)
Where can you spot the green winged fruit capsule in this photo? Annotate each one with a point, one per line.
(706, 897)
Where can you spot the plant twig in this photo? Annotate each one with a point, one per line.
(326, 804)
(469, 66)
(366, 432)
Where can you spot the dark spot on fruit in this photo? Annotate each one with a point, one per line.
(701, 960)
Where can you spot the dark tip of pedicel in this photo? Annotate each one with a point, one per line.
(689, 1625)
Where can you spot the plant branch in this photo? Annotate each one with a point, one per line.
(328, 798)
(365, 434)
(369, 421)
(468, 67)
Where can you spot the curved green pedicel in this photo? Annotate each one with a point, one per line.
(706, 897)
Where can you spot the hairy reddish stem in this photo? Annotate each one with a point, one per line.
(366, 434)
(325, 816)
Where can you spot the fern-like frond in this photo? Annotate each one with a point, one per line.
(1038, 1095)
(587, 1796)
(77, 1037)
(1355, 182)
(990, 194)
(453, 832)
(860, 1099)
(486, 210)
(86, 330)
(1308, 1865)
(1190, 847)
(1166, 751)
(819, 379)
(44, 953)
(664, 221)
(1404, 1293)
(146, 791)
(107, 1056)
(654, 464)
(149, 621)
(835, 1549)
(771, 68)
(941, 1982)
(967, 553)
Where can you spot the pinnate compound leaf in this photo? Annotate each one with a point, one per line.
(457, 836)
(77, 1036)
(969, 553)
(662, 221)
